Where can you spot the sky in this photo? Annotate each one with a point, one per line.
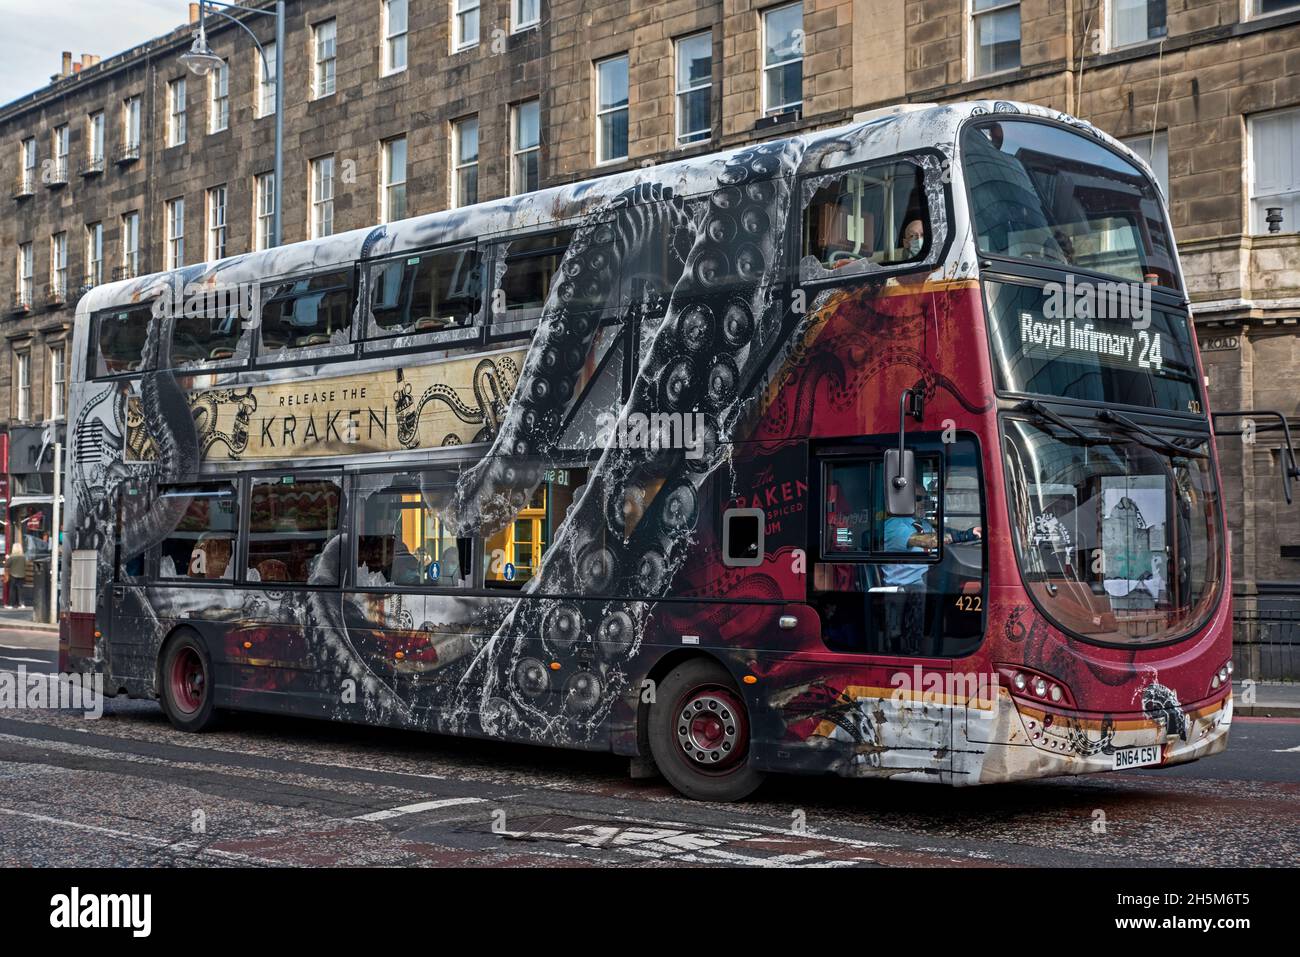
(34, 34)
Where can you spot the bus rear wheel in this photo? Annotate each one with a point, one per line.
(187, 690)
(699, 733)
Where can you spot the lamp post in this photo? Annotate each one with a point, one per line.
(200, 60)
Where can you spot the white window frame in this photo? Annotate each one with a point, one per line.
(95, 138)
(62, 146)
(322, 196)
(1255, 210)
(174, 233)
(680, 93)
(27, 153)
(263, 209)
(387, 184)
(59, 263)
(601, 159)
(517, 153)
(324, 60)
(395, 40)
(94, 253)
(219, 98)
(460, 14)
(517, 22)
(1111, 35)
(1253, 8)
(456, 165)
(26, 272)
(267, 64)
(131, 242)
(216, 215)
(972, 15)
(58, 380)
(23, 384)
(131, 123)
(770, 109)
(176, 112)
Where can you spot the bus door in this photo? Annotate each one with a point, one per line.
(890, 588)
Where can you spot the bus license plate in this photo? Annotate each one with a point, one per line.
(1137, 757)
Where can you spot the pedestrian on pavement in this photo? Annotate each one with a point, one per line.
(16, 567)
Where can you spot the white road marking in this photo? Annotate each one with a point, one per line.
(141, 838)
(417, 808)
(1287, 750)
(30, 661)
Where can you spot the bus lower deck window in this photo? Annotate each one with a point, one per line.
(290, 523)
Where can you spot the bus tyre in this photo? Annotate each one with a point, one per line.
(187, 688)
(699, 733)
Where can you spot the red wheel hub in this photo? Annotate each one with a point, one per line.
(188, 680)
(711, 729)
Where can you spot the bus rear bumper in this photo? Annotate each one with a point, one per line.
(1026, 743)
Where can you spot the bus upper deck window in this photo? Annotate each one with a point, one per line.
(867, 215)
(213, 335)
(531, 264)
(428, 293)
(122, 340)
(306, 311)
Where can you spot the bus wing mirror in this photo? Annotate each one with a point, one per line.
(1248, 431)
(900, 481)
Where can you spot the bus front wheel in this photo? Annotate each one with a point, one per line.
(187, 690)
(699, 733)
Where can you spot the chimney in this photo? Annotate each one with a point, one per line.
(194, 13)
(76, 67)
(67, 64)
(85, 60)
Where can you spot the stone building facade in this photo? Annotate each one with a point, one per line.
(1205, 88)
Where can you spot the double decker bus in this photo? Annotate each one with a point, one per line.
(874, 451)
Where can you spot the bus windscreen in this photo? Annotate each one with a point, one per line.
(1046, 194)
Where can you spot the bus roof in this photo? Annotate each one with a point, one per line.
(871, 135)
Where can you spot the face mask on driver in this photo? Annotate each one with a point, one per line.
(914, 246)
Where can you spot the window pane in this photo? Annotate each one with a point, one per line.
(213, 336)
(513, 555)
(785, 86)
(694, 61)
(874, 216)
(467, 141)
(613, 83)
(122, 340)
(783, 39)
(426, 293)
(613, 135)
(312, 311)
(1042, 192)
(1136, 21)
(527, 125)
(401, 538)
(531, 265)
(202, 546)
(997, 41)
(289, 525)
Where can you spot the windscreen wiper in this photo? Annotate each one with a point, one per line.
(1153, 440)
(1046, 414)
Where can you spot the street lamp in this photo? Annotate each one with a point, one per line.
(200, 60)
